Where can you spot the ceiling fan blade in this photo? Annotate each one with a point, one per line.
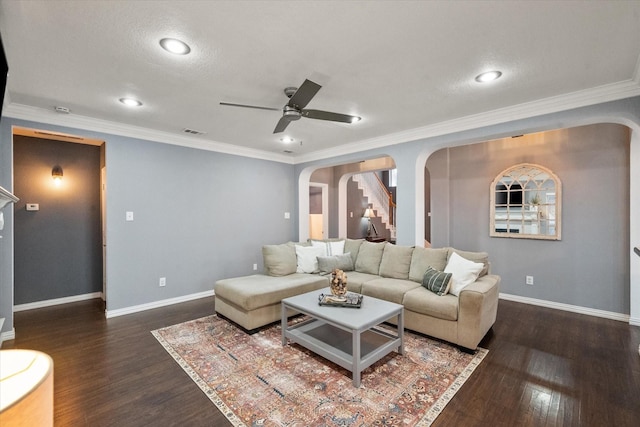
(282, 125)
(304, 94)
(229, 104)
(327, 115)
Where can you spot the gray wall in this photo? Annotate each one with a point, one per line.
(58, 249)
(199, 216)
(589, 267)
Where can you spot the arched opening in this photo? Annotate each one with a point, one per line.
(597, 187)
(345, 205)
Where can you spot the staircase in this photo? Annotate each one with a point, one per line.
(379, 198)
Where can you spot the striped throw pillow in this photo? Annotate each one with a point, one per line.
(436, 281)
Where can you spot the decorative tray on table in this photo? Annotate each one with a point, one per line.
(351, 299)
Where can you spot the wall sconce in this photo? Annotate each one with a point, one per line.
(26, 388)
(56, 173)
(368, 213)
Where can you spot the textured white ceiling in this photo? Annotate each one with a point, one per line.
(401, 65)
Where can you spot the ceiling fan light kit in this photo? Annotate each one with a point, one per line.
(294, 109)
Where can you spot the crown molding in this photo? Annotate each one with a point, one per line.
(25, 112)
(597, 95)
(592, 96)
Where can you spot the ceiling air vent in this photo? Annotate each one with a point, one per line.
(192, 131)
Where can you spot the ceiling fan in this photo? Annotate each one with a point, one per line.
(294, 109)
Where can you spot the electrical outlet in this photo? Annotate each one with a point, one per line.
(529, 280)
(255, 267)
(162, 282)
(287, 215)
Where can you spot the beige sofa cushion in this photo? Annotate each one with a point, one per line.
(353, 247)
(279, 260)
(421, 258)
(356, 279)
(396, 261)
(252, 292)
(423, 301)
(389, 289)
(481, 257)
(369, 257)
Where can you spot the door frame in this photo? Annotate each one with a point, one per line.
(324, 188)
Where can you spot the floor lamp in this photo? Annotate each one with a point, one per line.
(368, 213)
(26, 388)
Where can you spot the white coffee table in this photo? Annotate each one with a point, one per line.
(344, 335)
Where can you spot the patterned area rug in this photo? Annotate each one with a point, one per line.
(255, 381)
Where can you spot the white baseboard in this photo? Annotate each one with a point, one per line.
(572, 308)
(635, 321)
(7, 336)
(57, 301)
(156, 304)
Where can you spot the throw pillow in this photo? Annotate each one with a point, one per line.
(463, 272)
(279, 260)
(436, 281)
(482, 257)
(326, 264)
(307, 257)
(331, 247)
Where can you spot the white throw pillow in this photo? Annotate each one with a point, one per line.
(330, 248)
(307, 257)
(463, 272)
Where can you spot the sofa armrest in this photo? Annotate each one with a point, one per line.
(477, 310)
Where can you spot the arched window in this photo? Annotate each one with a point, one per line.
(526, 203)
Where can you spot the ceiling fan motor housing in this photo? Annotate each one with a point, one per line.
(291, 113)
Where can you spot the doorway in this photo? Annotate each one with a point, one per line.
(58, 238)
(318, 210)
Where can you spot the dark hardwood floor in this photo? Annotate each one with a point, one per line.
(544, 368)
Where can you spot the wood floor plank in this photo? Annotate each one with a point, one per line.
(544, 368)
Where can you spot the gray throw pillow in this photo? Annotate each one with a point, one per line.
(326, 264)
(436, 281)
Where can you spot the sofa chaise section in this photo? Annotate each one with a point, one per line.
(254, 301)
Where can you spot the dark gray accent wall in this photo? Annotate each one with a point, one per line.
(589, 267)
(58, 249)
(315, 200)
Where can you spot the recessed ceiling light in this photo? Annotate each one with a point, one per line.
(488, 76)
(130, 102)
(175, 46)
(287, 140)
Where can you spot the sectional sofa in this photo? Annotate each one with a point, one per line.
(460, 308)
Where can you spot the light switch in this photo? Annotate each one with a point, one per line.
(129, 216)
(287, 215)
